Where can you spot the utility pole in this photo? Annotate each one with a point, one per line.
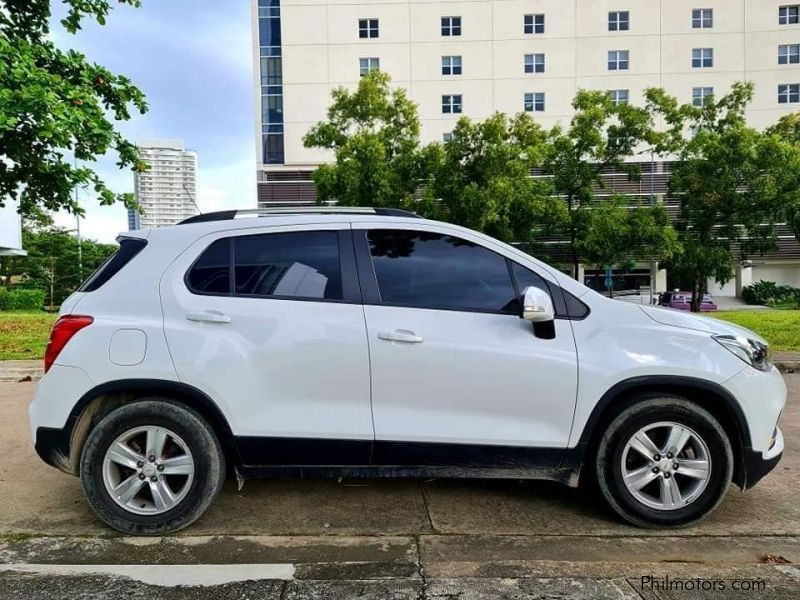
(653, 273)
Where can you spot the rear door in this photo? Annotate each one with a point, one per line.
(270, 325)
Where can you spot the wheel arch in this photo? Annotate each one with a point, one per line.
(104, 398)
(707, 394)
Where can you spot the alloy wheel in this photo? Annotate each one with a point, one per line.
(148, 470)
(666, 465)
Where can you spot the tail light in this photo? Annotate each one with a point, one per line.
(62, 332)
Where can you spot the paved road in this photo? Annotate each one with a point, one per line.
(391, 539)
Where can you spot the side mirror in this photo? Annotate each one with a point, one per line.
(537, 306)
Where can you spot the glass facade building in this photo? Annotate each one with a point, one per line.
(271, 67)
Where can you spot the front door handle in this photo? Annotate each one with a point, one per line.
(401, 335)
(209, 316)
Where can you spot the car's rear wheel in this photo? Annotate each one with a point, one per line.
(664, 462)
(151, 467)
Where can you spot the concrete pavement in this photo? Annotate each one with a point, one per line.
(391, 539)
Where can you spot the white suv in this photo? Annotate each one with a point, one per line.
(370, 342)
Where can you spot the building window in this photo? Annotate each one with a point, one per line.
(365, 65)
(619, 20)
(451, 26)
(270, 51)
(702, 18)
(789, 54)
(702, 58)
(534, 102)
(534, 63)
(451, 104)
(534, 23)
(368, 28)
(618, 97)
(451, 65)
(618, 60)
(702, 95)
(271, 71)
(789, 93)
(447, 136)
(789, 15)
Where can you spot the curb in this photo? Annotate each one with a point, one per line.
(788, 366)
(21, 370)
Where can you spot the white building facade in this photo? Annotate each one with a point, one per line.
(10, 230)
(167, 191)
(477, 57)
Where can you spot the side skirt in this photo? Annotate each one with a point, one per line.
(319, 458)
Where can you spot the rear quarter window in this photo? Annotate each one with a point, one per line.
(128, 249)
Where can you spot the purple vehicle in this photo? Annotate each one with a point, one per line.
(683, 300)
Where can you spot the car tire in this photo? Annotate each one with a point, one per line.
(173, 489)
(702, 475)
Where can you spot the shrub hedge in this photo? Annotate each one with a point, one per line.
(21, 299)
(770, 293)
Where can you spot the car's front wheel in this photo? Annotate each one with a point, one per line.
(664, 461)
(151, 467)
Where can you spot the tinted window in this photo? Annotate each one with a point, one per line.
(128, 248)
(301, 265)
(430, 270)
(527, 278)
(211, 274)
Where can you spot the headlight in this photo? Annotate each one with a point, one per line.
(752, 352)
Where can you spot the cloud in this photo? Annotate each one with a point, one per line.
(193, 60)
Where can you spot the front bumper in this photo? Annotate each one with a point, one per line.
(758, 464)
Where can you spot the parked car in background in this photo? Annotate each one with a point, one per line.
(371, 342)
(683, 301)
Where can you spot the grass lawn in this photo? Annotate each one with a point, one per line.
(24, 334)
(781, 328)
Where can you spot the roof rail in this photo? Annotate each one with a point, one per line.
(227, 215)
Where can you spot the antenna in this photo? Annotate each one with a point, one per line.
(188, 193)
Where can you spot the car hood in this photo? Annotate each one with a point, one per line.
(687, 320)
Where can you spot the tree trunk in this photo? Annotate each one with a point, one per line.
(573, 234)
(697, 295)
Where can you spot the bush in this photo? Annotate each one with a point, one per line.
(770, 293)
(21, 299)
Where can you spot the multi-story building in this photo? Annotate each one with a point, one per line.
(476, 57)
(166, 192)
(10, 230)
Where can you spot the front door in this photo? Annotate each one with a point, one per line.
(457, 375)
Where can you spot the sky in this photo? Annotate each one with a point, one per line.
(192, 59)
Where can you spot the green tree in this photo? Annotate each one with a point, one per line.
(52, 262)
(54, 104)
(482, 179)
(600, 136)
(785, 137)
(373, 134)
(729, 179)
(620, 231)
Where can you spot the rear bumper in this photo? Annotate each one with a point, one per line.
(758, 464)
(52, 446)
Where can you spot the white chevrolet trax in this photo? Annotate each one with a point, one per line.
(370, 342)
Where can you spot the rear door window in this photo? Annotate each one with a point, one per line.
(302, 265)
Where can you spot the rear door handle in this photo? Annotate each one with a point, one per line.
(209, 316)
(401, 335)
